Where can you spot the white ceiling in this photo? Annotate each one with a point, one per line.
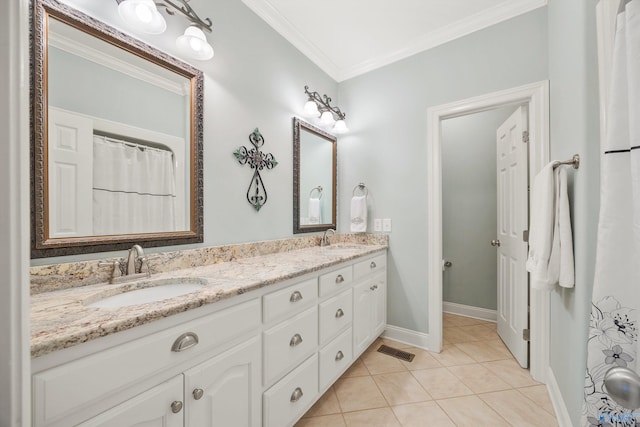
(347, 38)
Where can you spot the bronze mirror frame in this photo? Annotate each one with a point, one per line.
(41, 244)
(298, 126)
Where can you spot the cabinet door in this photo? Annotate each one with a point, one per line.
(379, 309)
(362, 317)
(225, 391)
(153, 408)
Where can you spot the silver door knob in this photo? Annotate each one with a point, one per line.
(495, 242)
(198, 393)
(176, 406)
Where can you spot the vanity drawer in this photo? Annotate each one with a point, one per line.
(335, 315)
(80, 384)
(290, 397)
(290, 342)
(335, 358)
(335, 280)
(290, 300)
(370, 266)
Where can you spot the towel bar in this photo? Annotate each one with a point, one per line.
(362, 188)
(575, 162)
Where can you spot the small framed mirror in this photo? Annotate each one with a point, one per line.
(314, 178)
(116, 142)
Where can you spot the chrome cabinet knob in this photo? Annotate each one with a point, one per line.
(339, 278)
(297, 394)
(339, 356)
(339, 313)
(374, 287)
(198, 393)
(295, 340)
(372, 265)
(295, 297)
(176, 406)
(495, 242)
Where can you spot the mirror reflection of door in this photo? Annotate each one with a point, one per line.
(470, 214)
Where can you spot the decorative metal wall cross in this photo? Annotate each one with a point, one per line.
(256, 193)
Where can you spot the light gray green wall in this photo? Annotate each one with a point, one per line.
(256, 79)
(77, 84)
(469, 207)
(386, 146)
(574, 129)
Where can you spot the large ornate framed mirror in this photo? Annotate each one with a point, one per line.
(116, 139)
(314, 178)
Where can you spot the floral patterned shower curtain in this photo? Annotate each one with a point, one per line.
(613, 329)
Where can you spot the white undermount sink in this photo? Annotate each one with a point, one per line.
(158, 291)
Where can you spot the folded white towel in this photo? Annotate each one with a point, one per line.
(314, 211)
(359, 214)
(550, 240)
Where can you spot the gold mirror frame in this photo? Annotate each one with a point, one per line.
(298, 126)
(41, 244)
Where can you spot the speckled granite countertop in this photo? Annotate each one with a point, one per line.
(61, 318)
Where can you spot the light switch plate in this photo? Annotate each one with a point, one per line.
(386, 224)
(377, 224)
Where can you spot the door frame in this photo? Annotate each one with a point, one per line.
(536, 96)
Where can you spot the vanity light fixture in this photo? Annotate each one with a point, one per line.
(329, 115)
(143, 15)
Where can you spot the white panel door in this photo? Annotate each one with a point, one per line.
(70, 160)
(513, 208)
(225, 390)
(159, 407)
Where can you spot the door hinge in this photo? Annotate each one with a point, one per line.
(525, 136)
(526, 335)
(525, 236)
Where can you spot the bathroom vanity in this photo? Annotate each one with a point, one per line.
(256, 346)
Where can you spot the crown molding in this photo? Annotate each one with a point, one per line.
(91, 54)
(506, 10)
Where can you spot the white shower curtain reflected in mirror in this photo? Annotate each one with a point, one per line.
(133, 188)
(613, 329)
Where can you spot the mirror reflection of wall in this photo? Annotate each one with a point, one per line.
(316, 163)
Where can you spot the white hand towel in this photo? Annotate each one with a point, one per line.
(541, 227)
(359, 214)
(550, 238)
(561, 269)
(314, 210)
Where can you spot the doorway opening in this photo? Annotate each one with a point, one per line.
(535, 98)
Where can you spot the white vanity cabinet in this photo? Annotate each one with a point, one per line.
(262, 358)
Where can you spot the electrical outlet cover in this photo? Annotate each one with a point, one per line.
(386, 224)
(377, 224)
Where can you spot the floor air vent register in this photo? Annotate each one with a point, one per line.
(390, 351)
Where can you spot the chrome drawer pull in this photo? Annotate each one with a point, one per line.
(372, 265)
(185, 342)
(297, 394)
(198, 393)
(339, 356)
(176, 406)
(295, 340)
(339, 313)
(295, 297)
(339, 278)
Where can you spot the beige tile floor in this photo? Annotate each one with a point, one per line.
(474, 381)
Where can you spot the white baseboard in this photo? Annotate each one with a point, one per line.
(407, 336)
(562, 414)
(469, 311)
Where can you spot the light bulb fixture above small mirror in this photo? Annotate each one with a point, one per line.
(321, 106)
(143, 16)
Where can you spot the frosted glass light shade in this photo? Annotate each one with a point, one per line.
(327, 118)
(340, 127)
(142, 15)
(311, 108)
(193, 43)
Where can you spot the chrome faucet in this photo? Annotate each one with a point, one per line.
(135, 253)
(130, 268)
(325, 237)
